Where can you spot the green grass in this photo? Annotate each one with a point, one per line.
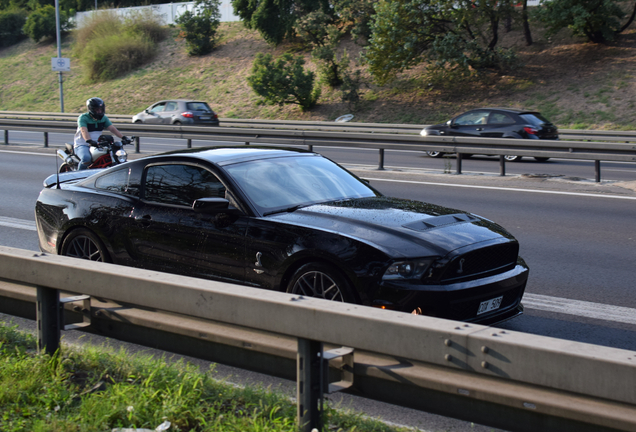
(98, 389)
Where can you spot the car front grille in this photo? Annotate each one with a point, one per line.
(480, 262)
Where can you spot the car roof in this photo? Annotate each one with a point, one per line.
(225, 155)
(179, 100)
(509, 110)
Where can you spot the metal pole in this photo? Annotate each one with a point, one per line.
(502, 165)
(6, 137)
(381, 164)
(310, 148)
(597, 170)
(308, 384)
(136, 144)
(460, 157)
(189, 145)
(59, 51)
(46, 139)
(48, 319)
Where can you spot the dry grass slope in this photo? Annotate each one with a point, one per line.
(576, 84)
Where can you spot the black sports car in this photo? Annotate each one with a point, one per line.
(496, 123)
(285, 220)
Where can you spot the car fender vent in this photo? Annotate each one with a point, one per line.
(439, 221)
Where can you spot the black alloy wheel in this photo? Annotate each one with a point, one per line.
(84, 244)
(511, 158)
(321, 281)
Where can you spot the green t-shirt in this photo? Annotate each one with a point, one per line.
(95, 127)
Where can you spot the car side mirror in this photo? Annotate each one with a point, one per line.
(146, 111)
(213, 206)
(451, 123)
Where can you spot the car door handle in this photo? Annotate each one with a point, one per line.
(480, 129)
(143, 220)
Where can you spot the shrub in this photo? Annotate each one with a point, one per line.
(283, 81)
(199, 28)
(41, 23)
(109, 46)
(11, 23)
(115, 55)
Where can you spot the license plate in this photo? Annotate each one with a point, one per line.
(204, 118)
(489, 305)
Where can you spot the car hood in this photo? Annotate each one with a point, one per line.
(399, 227)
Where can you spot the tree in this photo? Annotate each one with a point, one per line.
(283, 81)
(275, 19)
(459, 33)
(11, 23)
(355, 17)
(320, 33)
(598, 20)
(199, 27)
(41, 23)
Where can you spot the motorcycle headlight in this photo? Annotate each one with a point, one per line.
(121, 156)
(407, 270)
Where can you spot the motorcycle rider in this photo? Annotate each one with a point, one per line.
(89, 127)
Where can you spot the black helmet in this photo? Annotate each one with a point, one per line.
(96, 107)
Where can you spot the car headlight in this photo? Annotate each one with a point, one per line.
(121, 156)
(407, 270)
(423, 133)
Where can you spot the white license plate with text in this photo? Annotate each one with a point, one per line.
(205, 118)
(489, 305)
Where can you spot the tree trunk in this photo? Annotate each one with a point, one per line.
(526, 26)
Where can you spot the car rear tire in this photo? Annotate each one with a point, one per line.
(177, 123)
(84, 244)
(435, 154)
(138, 122)
(511, 158)
(321, 281)
(541, 159)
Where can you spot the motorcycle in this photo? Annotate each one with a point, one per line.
(106, 153)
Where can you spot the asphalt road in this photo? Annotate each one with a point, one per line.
(577, 236)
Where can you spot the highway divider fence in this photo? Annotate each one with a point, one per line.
(587, 145)
(505, 379)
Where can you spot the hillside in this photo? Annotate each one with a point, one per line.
(575, 84)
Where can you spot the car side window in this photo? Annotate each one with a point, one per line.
(181, 184)
(171, 106)
(158, 108)
(472, 118)
(116, 181)
(500, 118)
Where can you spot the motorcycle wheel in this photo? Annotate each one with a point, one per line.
(65, 168)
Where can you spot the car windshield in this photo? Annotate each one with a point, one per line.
(198, 106)
(534, 119)
(287, 183)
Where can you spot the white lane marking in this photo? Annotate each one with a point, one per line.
(17, 223)
(504, 189)
(580, 308)
(28, 153)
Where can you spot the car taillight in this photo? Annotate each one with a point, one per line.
(187, 114)
(531, 130)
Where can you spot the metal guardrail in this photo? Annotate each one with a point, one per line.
(589, 150)
(505, 379)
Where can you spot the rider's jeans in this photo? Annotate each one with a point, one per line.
(84, 153)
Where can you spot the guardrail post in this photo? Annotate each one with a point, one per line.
(502, 165)
(136, 144)
(597, 170)
(6, 137)
(459, 163)
(48, 319)
(309, 384)
(189, 144)
(46, 139)
(310, 148)
(381, 163)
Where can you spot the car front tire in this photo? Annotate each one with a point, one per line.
(321, 281)
(511, 158)
(541, 159)
(84, 244)
(435, 154)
